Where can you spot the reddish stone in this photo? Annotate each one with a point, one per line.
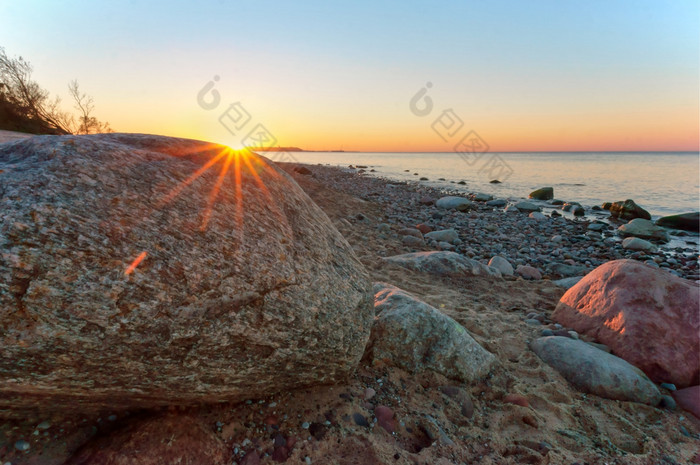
(251, 458)
(424, 228)
(385, 418)
(528, 272)
(516, 399)
(688, 399)
(280, 454)
(271, 420)
(646, 316)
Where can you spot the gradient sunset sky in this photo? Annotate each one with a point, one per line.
(526, 76)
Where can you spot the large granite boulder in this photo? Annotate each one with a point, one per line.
(686, 221)
(591, 370)
(647, 316)
(415, 336)
(644, 229)
(443, 263)
(138, 271)
(627, 210)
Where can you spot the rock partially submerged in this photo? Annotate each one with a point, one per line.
(627, 210)
(543, 193)
(647, 316)
(596, 372)
(129, 280)
(685, 221)
(415, 336)
(442, 263)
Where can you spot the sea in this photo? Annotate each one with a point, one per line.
(663, 183)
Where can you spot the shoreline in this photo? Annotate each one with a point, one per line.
(408, 204)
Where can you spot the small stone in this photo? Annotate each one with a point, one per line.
(43, 425)
(22, 445)
(668, 386)
(305, 425)
(547, 332)
(360, 419)
(369, 393)
(667, 402)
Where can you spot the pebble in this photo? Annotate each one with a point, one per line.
(369, 393)
(668, 386)
(667, 402)
(22, 445)
(360, 419)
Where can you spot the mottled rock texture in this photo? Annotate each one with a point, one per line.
(417, 337)
(647, 316)
(243, 287)
(591, 370)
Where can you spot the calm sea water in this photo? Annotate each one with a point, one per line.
(663, 183)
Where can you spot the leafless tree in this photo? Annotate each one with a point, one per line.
(85, 105)
(27, 96)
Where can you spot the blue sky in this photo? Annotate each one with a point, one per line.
(540, 75)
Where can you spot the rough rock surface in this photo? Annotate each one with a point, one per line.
(415, 336)
(443, 263)
(127, 280)
(687, 221)
(157, 440)
(643, 229)
(628, 210)
(591, 370)
(647, 316)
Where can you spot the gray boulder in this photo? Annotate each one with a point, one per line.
(445, 235)
(567, 271)
(501, 264)
(527, 207)
(481, 197)
(643, 229)
(496, 203)
(451, 202)
(415, 336)
(442, 263)
(635, 243)
(591, 370)
(128, 280)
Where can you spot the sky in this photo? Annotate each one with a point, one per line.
(377, 75)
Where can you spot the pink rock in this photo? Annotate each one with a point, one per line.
(646, 316)
(369, 393)
(385, 418)
(528, 272)
(516, 399)
(689, 399)
(424, 228)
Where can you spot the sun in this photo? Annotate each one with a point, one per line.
(225, 160)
